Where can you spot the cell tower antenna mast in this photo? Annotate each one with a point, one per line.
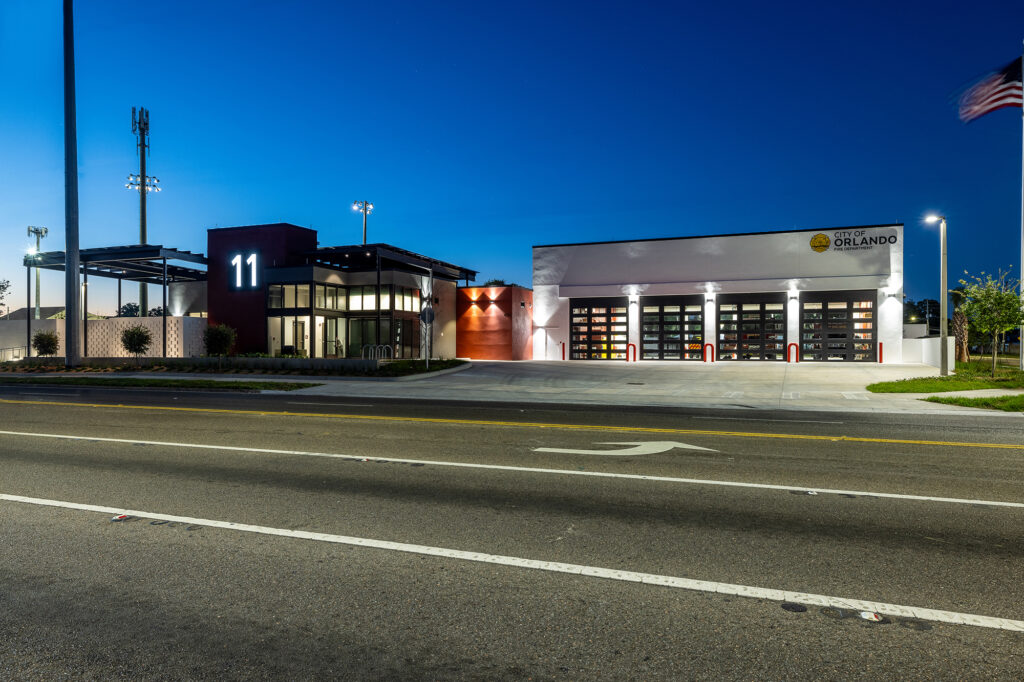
(144, 184)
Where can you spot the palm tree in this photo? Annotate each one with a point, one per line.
(960, 329)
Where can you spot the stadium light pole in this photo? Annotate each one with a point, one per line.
(39, 232)
(366, 208)
(143, 184)
(943, 354)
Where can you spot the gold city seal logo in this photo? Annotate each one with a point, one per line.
(820, 242)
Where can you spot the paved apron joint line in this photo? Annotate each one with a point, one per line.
(920, 613)
(803, 490)
(535, 425)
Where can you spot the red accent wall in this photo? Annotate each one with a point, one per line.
(278, 245)
(494, 323)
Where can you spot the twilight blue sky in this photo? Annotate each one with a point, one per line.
(480, 129)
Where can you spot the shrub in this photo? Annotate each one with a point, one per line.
(136, 340)
(45, 342)
(218, 339)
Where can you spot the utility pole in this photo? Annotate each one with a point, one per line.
(39, 232)
(144, 184)
(71, 255)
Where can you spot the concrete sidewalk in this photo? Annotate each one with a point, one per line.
(803, 386)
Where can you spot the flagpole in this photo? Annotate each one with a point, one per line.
(1020, 273)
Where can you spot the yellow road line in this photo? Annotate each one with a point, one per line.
(535, 425)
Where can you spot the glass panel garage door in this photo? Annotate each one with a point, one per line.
(838, 326)
(599, 329)
(671, 330)
(751, 330)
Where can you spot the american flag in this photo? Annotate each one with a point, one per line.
(1003, 88)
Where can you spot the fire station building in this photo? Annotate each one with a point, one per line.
(831, 295)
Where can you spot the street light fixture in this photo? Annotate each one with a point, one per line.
(943, 352)
(366, 208)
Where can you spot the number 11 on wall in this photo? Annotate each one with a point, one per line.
(237, 263)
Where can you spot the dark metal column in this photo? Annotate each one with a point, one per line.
(120, 281)
(312, 320)
(165, 308)
(28, 307)
(71, 258)
(378, 297)
(85, 313)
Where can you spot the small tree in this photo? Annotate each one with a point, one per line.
(136, 340)
(128, 310)
(5, 286)
(994, 306)
(45, 342)
(218, 340)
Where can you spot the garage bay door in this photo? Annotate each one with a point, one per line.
(838, 326)
(672, 327)
(752, 327)
(600, 329)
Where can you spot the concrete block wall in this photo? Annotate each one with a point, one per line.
(184, 336)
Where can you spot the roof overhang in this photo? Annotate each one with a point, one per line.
(361, 258)
(134, 263)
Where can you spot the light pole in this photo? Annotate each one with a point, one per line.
(39, 232)
(144, 184)
(366, 208)
(943, 354)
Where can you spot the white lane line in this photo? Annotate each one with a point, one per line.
(855, 396)
(559, 567)
(734, 394)
(332, 404)
(528, 470)
(786, 421)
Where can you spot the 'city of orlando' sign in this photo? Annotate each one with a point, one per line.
(849, 240)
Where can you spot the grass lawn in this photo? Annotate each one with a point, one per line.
(131, 382)
(1008, 403)
(969, 376)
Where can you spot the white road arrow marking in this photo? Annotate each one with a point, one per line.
(648, 448)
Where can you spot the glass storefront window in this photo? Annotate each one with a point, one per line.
(321, 296)
(289, 295)
(288, 335)
(302, 296)
(275, 296)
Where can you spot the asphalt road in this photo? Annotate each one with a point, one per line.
(282, 536)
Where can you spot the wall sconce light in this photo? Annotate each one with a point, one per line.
(709, 299)
(522, 304)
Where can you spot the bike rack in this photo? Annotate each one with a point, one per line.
(794, 346)
(879, 352)
(628, 346)
(377, 352)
